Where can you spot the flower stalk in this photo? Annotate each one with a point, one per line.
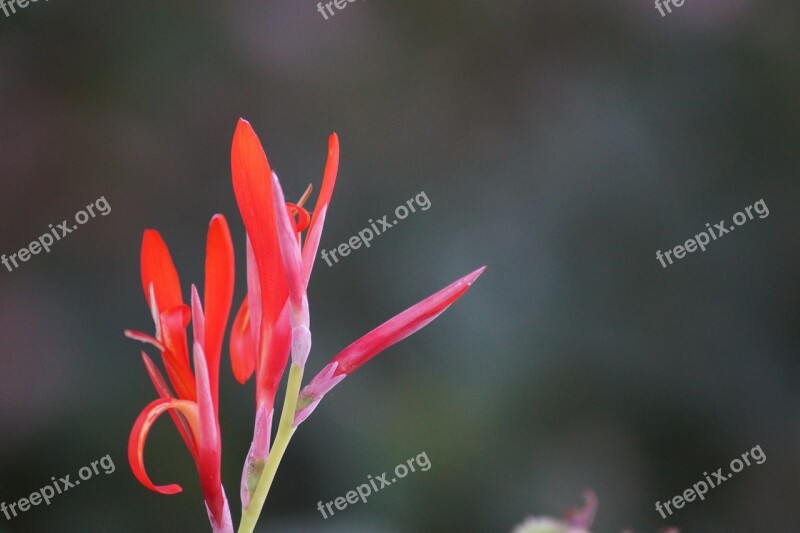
(286, 429)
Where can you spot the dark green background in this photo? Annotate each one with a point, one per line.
(561, 143)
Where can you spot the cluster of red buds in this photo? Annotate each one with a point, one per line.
(271, 331)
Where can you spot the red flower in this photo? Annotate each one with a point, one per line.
(194, 405)
(272, 323)
(263, 332)
(261, 335)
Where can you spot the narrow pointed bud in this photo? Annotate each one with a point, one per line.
(209, 448)
(293, 267)
(401, 326)
(208, 442)
(290, 253)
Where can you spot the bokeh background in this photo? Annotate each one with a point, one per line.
(561, 143)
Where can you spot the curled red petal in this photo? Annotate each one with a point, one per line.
(139, 433)
(299, 217)
(218, 296)
(157, 268)
(401, 326)
(242, 345)
(164, 392)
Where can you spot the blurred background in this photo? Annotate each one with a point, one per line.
(560, 143)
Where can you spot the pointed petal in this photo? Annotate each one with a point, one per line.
(302, 201)
(252, 186)
(329, 177)
(312, 244)
(142, 427)
(325, 192)
(198, 317)
(164, 392)
(144, 337)
(290, 253)
(401, 326)
(243, 349)
(209, 444)
(218, 296)
(154, 312)
(158, 269)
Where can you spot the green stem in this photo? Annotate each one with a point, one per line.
(285, 431)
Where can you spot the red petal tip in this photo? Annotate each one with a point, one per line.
(471, 277)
